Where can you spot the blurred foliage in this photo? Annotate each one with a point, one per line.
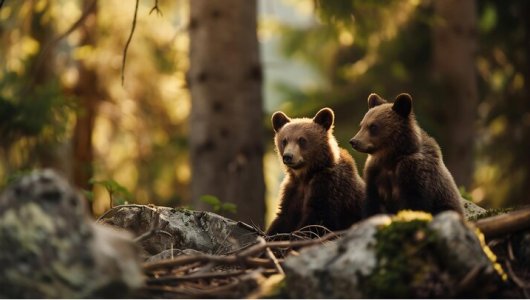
(118, 194)
(355, 47)
(361, 47)
(140, 129)
(217, 205)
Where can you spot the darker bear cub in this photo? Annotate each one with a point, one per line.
(404, 169)
(321, 186)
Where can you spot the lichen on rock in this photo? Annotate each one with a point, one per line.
(50, 248)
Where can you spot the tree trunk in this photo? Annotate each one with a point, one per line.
(454, 48)
(225, 79)
(86, 92)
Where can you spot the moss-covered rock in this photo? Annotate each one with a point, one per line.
(50, 248)
(405, 256)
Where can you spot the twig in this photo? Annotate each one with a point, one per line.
(155, 8)
(511, 256)
(467, 281)
(128, 42)
(520, 283)
(242, 257)
(274, 260)
(250, 228)
(166, 279)
(183, 260)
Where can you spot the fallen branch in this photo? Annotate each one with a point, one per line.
(242, 257)
(506, 223)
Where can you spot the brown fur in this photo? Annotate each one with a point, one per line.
(321, 186)
(405, 169)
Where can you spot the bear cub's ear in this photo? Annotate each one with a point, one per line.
(403, 105)
(278, 120)
(325, 118)
(374, 100)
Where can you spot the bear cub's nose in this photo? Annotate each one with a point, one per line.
(287, 158)
(354, 143)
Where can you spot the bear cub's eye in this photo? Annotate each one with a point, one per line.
(284, 142)
(302, 141)
(373, 128)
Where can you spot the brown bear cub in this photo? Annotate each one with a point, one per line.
(404, 169)
(321, 186)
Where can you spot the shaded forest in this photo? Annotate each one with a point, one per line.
(190, 124)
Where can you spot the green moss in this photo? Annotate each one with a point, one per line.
(404, 251)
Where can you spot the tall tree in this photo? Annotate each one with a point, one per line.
(225, 79)
(455, 38)
(87, 94)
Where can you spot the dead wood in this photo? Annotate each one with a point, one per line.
(504, 224)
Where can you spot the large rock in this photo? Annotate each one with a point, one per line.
(406, 256)
(50, 248)
(177, 229)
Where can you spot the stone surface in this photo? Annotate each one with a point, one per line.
(50, 248)
(354, 266)
(471, 210)
(332, 270)
(179, 228)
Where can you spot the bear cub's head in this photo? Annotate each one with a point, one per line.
(385, 125)
(304, 143)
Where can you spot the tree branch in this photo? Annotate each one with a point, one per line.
(506, 223)
(128, 42)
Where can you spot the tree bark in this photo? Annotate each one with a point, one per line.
(225, 79)
(87, 95)
(455, 38)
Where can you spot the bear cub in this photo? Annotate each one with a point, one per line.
(321, 186)
(404, 169)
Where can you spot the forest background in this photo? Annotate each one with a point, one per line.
(173, 133)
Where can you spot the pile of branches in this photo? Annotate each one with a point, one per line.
(244, 273)
(239, 274)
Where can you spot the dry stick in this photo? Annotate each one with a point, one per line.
(184, 260)
(466, 282)
(510, 222)
(155, 8)
(275, 261)
(124, 59)
(520, 283)
(242, 257)
(165, 279)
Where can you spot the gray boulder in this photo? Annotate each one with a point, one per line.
(177, 229)
(50, 248)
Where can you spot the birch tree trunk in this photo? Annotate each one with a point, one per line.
(225, 79)
(455, 40)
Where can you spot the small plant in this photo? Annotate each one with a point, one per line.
(117, 193)
(218, 205)
(464, 193)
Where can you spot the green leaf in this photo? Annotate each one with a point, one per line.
(119, 193)
(210, 199)
(229, 207)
